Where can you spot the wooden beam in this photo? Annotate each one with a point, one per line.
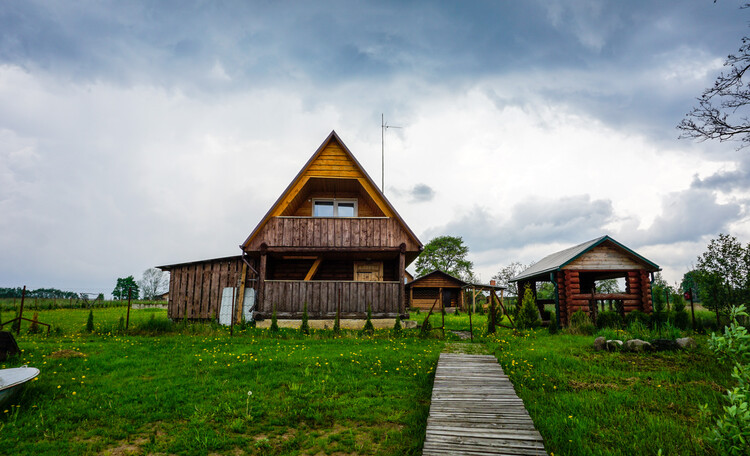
(238, 313)
(261, 279)
(401, 275)
(313, 268)
(299, 257)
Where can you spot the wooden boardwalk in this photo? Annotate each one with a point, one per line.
(475, 411)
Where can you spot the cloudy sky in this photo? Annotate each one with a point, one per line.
(134, 134)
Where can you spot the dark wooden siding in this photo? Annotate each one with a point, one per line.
(288, 297)
(195, 288)
(319, 232)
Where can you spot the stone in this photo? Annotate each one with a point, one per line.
(686, 343)
(600, 344)
(614, 345)
(664, 345)
(637, 345)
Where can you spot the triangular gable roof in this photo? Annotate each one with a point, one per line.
(351, 169)
(556, 261)
(437, 272)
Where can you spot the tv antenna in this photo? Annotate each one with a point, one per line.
(383, 127)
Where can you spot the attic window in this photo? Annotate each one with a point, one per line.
(334, 208)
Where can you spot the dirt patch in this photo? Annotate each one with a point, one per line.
(66, 354)
(591, 386)
(466, 348)
(126, 449)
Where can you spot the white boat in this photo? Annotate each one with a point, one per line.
(13, 380)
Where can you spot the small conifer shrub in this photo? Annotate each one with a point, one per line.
(397, 327)
(368, 328)
(305, 326)
(90, 322)
(34, 328)
(274, 324)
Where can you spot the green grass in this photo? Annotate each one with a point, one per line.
(185, 391)
(188, 394)
(590, 403)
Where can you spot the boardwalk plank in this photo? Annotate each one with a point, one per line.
(475, 411)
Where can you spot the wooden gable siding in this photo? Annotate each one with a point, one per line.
(604, 257)
(320, 232)
(195, 289)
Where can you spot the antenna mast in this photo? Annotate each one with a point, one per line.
(383, 127)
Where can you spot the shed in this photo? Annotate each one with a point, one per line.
(575, 271)
(424, 291)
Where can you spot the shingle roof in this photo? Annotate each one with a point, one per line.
(559, 259)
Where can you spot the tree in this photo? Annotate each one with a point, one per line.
(447, 254)
(722, 111)
(121, 289)
(722, 274)
(153, 283)
(508, 272)
(690, 282)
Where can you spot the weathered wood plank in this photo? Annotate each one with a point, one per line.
(475, 411)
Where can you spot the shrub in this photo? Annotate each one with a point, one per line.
(731, 433)
(424, 330)
(121, 323)
(552, 323)
(609, 320)
(528, 316)
(153, 326)
(397, 327)
(274, 322)
(612, 334)
(34, 328)
(337, 322)
(304, 328)
(638, 330)
(580, 323)
(90, 322)
(368, 328)
(670, 331)
(639, 316)
(681, 319)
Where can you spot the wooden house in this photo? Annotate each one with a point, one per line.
(331, 242)
(575, 271)
(436, 287)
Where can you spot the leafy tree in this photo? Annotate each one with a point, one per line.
(545, 290)
(690, 282)
(723, 274)
(722, 111)
(153, 283)
(121, 289)
(447, 254)
(508, 272)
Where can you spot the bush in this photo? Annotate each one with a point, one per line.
(681, 319)
(90, 322)
(580, 323)
(304, 328)
(337, 322)
(397, 327)
(274, 322)
(154, 326)
(552, 323)
(638, 330)
(368, 329)
(34, 329)
(609, 320)
(424, 330)
(528, 316)
(638, 316)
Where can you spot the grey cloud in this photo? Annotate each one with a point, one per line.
(686, 217)
(727, 181)
(422, 193)
(570, 219)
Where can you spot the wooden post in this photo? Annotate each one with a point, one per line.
(401, 274)
(241, 299)
(20, 311)
(127, 321)
(231, 319)
(473, 299)
(411, 296)
(262, 277)
(461, 298)
(442, 306)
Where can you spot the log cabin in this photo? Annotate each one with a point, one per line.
(331, 243)
(436, 288)
(575, 271)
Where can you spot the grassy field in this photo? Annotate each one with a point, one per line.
(186, 392)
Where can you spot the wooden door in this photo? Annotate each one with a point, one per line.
(368, 271)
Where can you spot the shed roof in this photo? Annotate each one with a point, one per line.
(168, 267)
(556, 261)
(459, 283)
